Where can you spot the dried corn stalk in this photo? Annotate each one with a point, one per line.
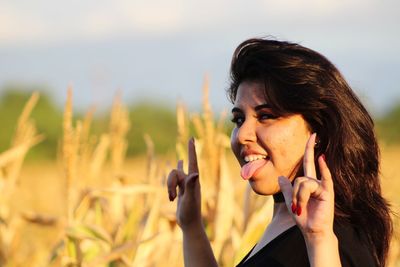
(11, 161)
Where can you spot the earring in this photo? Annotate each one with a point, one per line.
(316, 144)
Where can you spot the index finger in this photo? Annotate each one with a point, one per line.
(326, 176)
(308, 159)
(193, 167)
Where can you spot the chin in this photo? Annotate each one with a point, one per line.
(265, 190)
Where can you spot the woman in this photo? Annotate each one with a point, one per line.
(302, 136)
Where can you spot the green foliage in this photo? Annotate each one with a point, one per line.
(46, 115)
(388, 127)
(158, 121)
(11, 105)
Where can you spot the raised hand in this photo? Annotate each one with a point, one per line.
(188, 211)
(310, 200)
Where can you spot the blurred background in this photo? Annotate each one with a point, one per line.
(154, 55)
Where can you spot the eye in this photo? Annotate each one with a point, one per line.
(238, 120)
(262, 116)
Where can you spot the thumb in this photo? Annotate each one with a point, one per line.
(286, 189)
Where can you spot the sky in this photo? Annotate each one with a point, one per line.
(161, 50)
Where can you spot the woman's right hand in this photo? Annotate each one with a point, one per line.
(188, 212)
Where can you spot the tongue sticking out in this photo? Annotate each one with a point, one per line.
(251, 167)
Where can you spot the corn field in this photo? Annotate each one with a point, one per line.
(94, 207)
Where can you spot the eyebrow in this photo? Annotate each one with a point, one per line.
(256, 108)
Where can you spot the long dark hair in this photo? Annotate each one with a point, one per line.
(299, 80)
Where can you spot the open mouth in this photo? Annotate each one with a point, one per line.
(254, 157)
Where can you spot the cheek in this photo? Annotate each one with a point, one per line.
(288, 146)
(234, 143)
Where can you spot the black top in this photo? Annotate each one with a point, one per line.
(289, 249)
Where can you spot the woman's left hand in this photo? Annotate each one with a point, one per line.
(311, 201)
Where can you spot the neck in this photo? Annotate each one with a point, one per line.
(281, 213)
(278, 197)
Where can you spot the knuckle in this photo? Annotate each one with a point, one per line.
(302, 191)
(299, 180)
(180, 174)
(176, 178)
(305, 188)
(302, 196)
(171, 176)
(310, 183)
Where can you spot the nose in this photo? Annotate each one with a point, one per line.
(246, 133)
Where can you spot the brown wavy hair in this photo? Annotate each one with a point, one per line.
(299, 80)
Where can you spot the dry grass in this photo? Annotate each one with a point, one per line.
(11, 162)
(97, 208)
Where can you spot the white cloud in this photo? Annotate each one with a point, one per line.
(19, 25)
(49, 21)
(127, 17)
(323, 9)
(156, 15)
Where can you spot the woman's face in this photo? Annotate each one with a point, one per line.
(266, 146)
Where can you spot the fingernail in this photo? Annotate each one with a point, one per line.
(323, 157)
(293, 208)
(172, 196)
(298, 211)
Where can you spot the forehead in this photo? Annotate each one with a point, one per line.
(250, 93)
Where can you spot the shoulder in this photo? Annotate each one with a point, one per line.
(353, 246)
